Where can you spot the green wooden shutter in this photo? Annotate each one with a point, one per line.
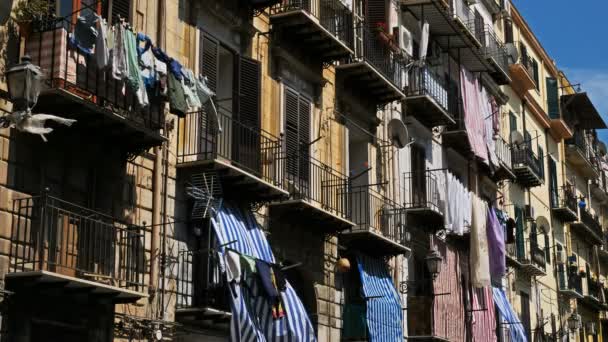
(536, 75)
(553, 189)
(547, 248)
(508, 30)
(541, 158)
(552, 98)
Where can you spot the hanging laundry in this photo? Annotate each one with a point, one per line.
(496, 245)
(102, 55)
(177, 99)
(190, 91)
(458, 203)
(268, 278)
(487, 116)
(232, 263)
(134, 78)
(119, 57)
(479, 255)
(85, 33)
(148, 69)
(174, 66)
(147, 43)
(472, 114)
(34, 123)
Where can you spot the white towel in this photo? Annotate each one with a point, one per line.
(479, 257)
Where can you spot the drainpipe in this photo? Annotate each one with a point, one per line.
(157, 182)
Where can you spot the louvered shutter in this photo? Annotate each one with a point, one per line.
(541, 158)
(535, 71)
(304, 137)
(508, 30)
(291, 132)
(553, 190)
(552, 98)
(418, 156)
(512, 124)
(547, 248)
(375, 12)
(519, 233)
(121, 9)
(528, 139)
(209, 60)
(246, 117)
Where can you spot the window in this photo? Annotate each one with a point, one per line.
(512, 123)
(297, 111)
(541, 158)
(535, 72)
(547, 247)
(552, 98)
(508, 30)
(553, 189)
(525, 313)
(418, 166)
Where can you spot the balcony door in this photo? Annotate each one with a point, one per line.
(418, 190)
(297, 113)
(237, 100)
(525, 313)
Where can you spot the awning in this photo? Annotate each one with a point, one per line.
(508, 316)
(384, 312)
(251, 315)
(584, 112)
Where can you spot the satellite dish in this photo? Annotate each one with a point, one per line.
(5, 10)
(512, 52)
(398, 133)
(602, 148)
(543, 224)
(517, 138)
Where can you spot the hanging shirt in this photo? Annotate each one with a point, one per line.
(102, 55)
(134, 78)
(190, 92)
(119, 58)
(85, 33)
(177, 99)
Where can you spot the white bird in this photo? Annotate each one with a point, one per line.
(33, 123)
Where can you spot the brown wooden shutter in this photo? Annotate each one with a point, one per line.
(291, 131)
(209, 60)
(304, 136)
(375, 12)
(418, 166)
(122, 9)
(246, 131)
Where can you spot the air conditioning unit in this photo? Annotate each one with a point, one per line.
(406, 42)
(529, 212)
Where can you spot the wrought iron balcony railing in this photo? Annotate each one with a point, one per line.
(373, 212)
(313, 181)
(462, 11)
(527, 166)
(564, 203)
(503, 152)
(424, 190)
(424, 81)
(570, 280)
(580, 141)
(496, 51)
(591, 222)
(242, 144)
(333, 15)
(53, 235)
(200, 284)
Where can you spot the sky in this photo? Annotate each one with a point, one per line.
(575, 34)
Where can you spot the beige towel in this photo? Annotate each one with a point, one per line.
(479, 257)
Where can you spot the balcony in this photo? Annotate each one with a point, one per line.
(321, 28)
(580, 154)
(375, 71)
(599, 187)
(76, 88)
(504, 168)
(593, 295)
(318, 194)
(455, 136)
(453, 26)
(497, 55)
(424, 205)
(527, 256)
(570, 282)
(522, 71)
(588, 227)
(527, 166)
(495, 7)
(57, 247)
(379, 223)
(427, 98)
(578, 108)
(201, 296)
(565, 208)
(246, 158)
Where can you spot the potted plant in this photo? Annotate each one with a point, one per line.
(27, 11)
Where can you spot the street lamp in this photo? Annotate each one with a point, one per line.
(24, 84)
(433, 263)
(574, 321)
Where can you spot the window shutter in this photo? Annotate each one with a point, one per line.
(375, 12)
(541, 157)
(553, 183)
(536, 77)
(512, 123)
(547, 249)
(524, 52)
(508, 30)
(552, 98)
(246, 137)
(519, 232)
(291, 131)
(122, 9)
(479, 29)
(209, 60)
(304, 137)
(418, 156)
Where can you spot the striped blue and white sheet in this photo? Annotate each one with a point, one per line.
(251, 313)
(384, 311)
(515, 327)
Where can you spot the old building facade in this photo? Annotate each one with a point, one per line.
(394, 170)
